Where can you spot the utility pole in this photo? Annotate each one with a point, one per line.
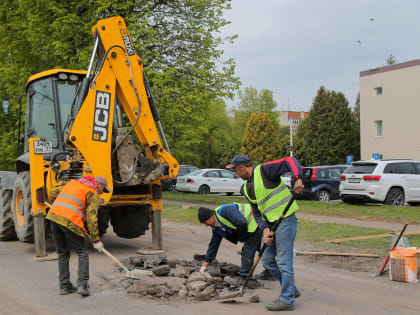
(291, 127)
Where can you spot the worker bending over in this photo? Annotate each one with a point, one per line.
(235, 223)
(72, 215)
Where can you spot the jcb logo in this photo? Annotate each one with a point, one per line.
(127, 42)
(101, 116)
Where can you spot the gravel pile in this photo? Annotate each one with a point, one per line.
(158, 277)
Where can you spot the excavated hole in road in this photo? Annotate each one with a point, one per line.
(158, 277)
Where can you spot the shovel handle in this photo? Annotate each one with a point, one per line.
(393, 247)
(114, 259)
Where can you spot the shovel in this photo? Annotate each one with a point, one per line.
(264, 246)
(381, 272)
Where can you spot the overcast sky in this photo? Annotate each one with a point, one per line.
(292, 47)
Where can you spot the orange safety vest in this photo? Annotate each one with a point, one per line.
(71, 203)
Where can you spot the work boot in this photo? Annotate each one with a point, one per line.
(83, 290)
(279, 306)
(265, 275)
(297, 294)
(68, 289)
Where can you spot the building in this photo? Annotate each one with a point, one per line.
(390, 111)
(292, 119)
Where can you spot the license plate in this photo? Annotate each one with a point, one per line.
(42, 146)
(354, 180)
(181, 180)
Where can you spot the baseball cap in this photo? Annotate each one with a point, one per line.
(238, 160)
(103, 181)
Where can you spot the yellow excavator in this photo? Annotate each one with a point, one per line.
(99, 122)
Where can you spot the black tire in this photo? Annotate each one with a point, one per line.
(229, 193)
(204, 190)
(21, 208)
(103, 220)
(130, 221)
(7, 228)
(323, 196)
(395, 197)
(413, 204)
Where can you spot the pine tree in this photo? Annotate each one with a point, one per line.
(327, 135)
(260, 141)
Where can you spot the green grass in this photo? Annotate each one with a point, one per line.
(361, 212)
(315, 233)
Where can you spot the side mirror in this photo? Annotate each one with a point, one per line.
(5, 106)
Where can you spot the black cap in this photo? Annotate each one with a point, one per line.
(238, 160)
(204, 214)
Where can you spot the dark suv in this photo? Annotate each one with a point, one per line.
(170, 184)
(322, 182)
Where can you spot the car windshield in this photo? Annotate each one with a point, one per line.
(361, 169)
(195, 173)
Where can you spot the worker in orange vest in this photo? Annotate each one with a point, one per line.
(72, 215)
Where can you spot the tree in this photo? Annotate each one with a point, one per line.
(252, 101)
(391, 60)
(327, 135)
(356, 132)
(260, 140)
(178, 41)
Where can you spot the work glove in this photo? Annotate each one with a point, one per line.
(203, 270)
(240, 248)
(98, 245)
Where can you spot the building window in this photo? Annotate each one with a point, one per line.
(378, 91)
(379, 128)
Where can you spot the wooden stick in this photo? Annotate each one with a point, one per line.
(339, 240)
(337, 254)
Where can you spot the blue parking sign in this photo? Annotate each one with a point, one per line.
(349, 159)
(375, 156)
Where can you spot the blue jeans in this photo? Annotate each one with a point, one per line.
(278, 258)
(252, 244)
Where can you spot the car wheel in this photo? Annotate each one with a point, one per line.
(172, 187)
(323, 196)
(204, 190)
(229, 193)
(395, 197)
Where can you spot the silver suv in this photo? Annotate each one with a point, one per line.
(392, 182)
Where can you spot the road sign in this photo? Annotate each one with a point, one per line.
(375, 156)
(349, 159)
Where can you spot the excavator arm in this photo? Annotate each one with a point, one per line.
(120, 79)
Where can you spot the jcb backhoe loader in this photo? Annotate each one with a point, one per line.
(102, 121)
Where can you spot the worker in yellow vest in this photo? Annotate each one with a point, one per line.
(235, 223)
(268, 195)
(72, 215)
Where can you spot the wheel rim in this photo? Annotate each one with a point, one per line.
(20, 211)
(396, 198)
(172, 187)
(324, 197)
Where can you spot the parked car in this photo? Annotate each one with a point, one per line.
(210, 180)
(392, 182)
(170, 184)
(322, 182)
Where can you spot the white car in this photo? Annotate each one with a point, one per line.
(210, 180)
(392, 182)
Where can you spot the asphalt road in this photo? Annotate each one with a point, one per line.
(30, 287)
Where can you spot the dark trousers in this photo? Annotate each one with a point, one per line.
(252, 244)
(64, 239)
